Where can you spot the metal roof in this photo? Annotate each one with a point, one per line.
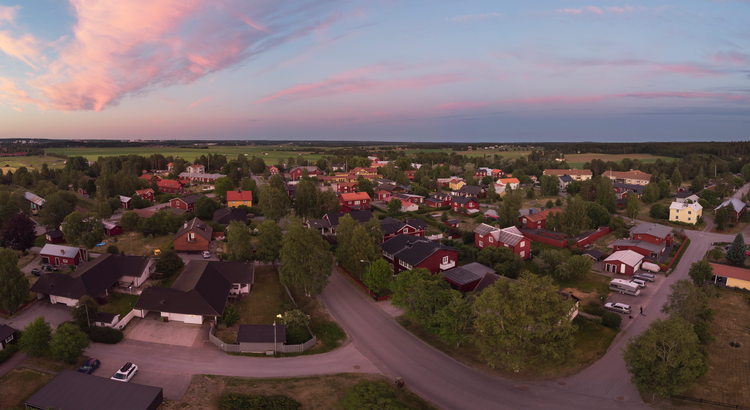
(736, 203)
(462, 275)
(37, 200)
(630, 258)
(60, 250)
(656, 230)
(197, 226)
(261, 334)
(651, 247)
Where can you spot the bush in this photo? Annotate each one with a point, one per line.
(8, 352)
(236, 401)
(611, 320)
(367, 395)
(112, 249)
(106, 335)
(594, 309)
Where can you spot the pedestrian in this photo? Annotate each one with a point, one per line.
(641, 309)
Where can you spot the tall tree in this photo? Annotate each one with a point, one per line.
(328, 202)
(274, 202)
(676, 179)
(83, 231)
(85, 311)
(15, 285)
(701, 271)
(577, 267)
(205, 208)
(736, 254)
(35, 338)
(421, 294)
(18, 233)
(456, 319)
(306, 199)
(239, 245)
(56, 208)
(632, 206)
(605, 195)
(508, 214)
(269, 242)
(394, 206)
(721, 218)
(221, 187)
(575, 219)
(378, 276)
(650, 193)
(688, 301)
(523, 323)
(306, 259)
(665, 359)
(169, 263)
(355, 245)
(366, 185)
(68, 343)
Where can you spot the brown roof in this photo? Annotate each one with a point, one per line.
(571, 172)
(197, 226)
(731, 272)
(628, 174)
(540, 216)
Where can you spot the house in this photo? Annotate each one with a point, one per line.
(224, 216)
(504, 183)
(634, 177)
(82, 191)
(382, 195)
(346, 187)
(170, 167)
(686, 196)
(171, 186)
(194, 235)
(369, 173)
(456, 183)
(438, 200)
(239, 197)
(470, 205)
(623, 262)
(564, 181)
(688, 213)
(54, 236)
(488, 236)
(356, 201)
(149, 177)
(392, 227)
(407, 206)
(273, 170)
(261, 338)
(125, 202)
(36, 201)
(645, 248)
(491, 214)
(406, 252)
(104, 319)
(490, 278)
(465, 278)
(296, 172)
(594, 254)
(200, 292)
(576, 174)
(739, 208)
(7, 336)
(410, 174)
(623, 190)
(453, 223)
(497, 173)
(59, 255)
(200, 177)
(73, 390)
(654, 233)
(328, 224)
(536, 220)
(196, 169)
(95, 278)
(415, 199)
(734, 277)
(186, 203)
(111, 228)
(471, 190)
(147, 194)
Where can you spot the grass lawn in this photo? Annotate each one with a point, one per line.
(313, 393)
(121, 305)
(19, 384)
(25, 260)
(592, 342)
(732, 230)
(728, 377)
(32, 162)
(54, 365)
(141, 246)
(602, 243)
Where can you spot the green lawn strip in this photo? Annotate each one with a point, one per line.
(679, 255)
(121, 304)
(20, 384)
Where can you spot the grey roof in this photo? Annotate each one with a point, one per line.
(486, 281)
(684, 194)
(594, 254)
(197, 226)
(484, 229)
(104, 317)
(463, 200)
(73, 390)
(391, 225)
(200, 175)
(638, 189)
(510, 236)
(191, 199)
(308, 168)
(359, 216)
(412, 249)
(124, 198)
(54, 234)
(6, 331)
(236, 272)
(736, 203)
(656, 230)
(202, 289)
(528, 211)
(226, 215)
(60, 250)
(471, 190)
(462, 275)
(261, 334)
(37, 200)
(565, 178)
(651, 247)
(318, 223)
(92, 278)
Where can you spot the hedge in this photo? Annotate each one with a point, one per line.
(105, 335)
(236, 401)
(8, 352)
(611, 320)
(594, 309)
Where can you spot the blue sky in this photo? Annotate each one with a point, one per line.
(390, 71)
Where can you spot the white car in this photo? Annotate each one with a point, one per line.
(617, 307)
(206, 254)
(641, 283)
(125, 373)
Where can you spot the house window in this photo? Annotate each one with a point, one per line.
(191, 237)
(445, 259)
(523, 243)
(690, 213)
(356, 202)
(689, 219)
(491, 240)
(8, 339)
(481, 244)
(523, 254)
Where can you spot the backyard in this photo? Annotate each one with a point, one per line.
(119, 303)
(141, 246)
(19, 384)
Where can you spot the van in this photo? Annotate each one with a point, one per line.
(624, 287)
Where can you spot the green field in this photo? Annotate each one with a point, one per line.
(29, 162)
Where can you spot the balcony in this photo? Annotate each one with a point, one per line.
(449, 265)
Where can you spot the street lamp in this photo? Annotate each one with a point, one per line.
(131, 243)
(364, 260)
(274, 334)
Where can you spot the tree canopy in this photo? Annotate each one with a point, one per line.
(15, 285)
(306, 259)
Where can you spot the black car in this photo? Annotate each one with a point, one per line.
(89, 367)
(36, 272)
(49, 268)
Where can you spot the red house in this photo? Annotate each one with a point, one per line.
(410, 174)
(470, 205)
(297, 172)
(149, 177)
(405, 252)
(488, 236)
(392, 227)
(82, 191)
(58, 255)
(381, 195)
(147, 194)
(186, 203)
(356, 201)
(170, 186)
(438, 200)
(654, 233)
(536, 220)
(738, 205)
(623, 262)
(54, 236)
(111, 228)
(346, 187)
(273, 170)
(125, 202)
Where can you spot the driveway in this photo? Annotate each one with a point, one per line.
(174, 384)
(153, 330)
(54, 314)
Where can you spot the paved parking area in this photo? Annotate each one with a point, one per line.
(174, 384)
(636, 302)
(53, 314)
(171, 333)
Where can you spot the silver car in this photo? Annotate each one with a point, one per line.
(645, 276)
(641, 283)
(617, 307)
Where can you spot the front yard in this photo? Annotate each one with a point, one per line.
(141, 246)
(19, 384)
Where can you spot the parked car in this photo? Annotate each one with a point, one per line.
(641, 283)
(715, 278)
(125, 373)
(206, 254)
(645, 276)
(617, 307)
(89, 367)
(49, 268)
(36, 272)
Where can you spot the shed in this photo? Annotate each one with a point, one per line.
(623, 262)
(104, 319)
(735, 277)
(261, 338)
(465, 278)
(7, 336)
(594, 254)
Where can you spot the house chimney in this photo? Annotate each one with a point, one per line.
(531, 211)
(186, 225)
(62, 251)
(542, 209)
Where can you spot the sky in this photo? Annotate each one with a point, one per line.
(437, 71)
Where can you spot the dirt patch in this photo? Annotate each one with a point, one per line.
(19, 384)
(728, 377)
(314, 393)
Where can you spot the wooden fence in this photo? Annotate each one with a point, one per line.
(253, 347)
(715, 403)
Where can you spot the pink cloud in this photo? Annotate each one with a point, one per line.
(460, 105)
(8, 13)
(725, 97)
(18, 109)
(570, 11)
(732, 57)
(620, 10)
(199, 102)
(693, 70)
(25, 48)
(556, 99)
(594, 9)
(10, 92)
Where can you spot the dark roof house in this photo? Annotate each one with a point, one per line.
(465, 278)
(412, 249)
(261, 334)
(226, 215)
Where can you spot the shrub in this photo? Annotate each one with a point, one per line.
(611, 320)
(367, 395)
(106, 335)
(594, 309)
(8, 352)
(230, 317)
(112, 249)
(236, 401)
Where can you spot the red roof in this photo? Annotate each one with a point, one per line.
(731, 272)
(239, 195)
(539, 216)
(144, 191)
(355, 196)
(169, 183)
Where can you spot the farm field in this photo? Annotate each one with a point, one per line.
(32, 162)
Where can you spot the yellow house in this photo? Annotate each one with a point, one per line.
(684, 212)
(734, 276)
(239, 197)
(456, 183)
